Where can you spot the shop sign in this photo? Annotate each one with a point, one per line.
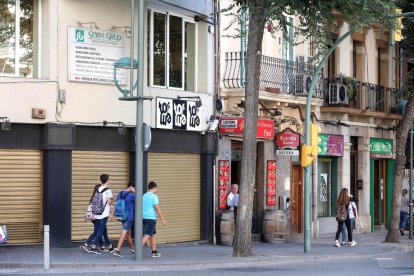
(330, 145)
(287, 152)
(287, 140)
(271, 183)
(177, 114)
(92, 54)
(224, 183)
(235, 126)
(380, 148)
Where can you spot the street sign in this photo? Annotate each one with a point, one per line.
(287, 152)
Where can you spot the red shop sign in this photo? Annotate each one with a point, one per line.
(235, 126)
(287, 139)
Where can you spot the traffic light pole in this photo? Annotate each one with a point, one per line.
(307, 194)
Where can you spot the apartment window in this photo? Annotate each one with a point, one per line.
(16, 38)
(172, 51)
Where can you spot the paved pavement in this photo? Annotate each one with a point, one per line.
(201, 254)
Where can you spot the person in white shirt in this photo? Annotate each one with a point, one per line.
(353, 214)
(102, 219)
(233, 191)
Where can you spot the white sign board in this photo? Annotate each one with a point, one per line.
(287, 152)
(178, 114)
(92, 53)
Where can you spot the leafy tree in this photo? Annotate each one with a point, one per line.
(315, 20)
(403, 129)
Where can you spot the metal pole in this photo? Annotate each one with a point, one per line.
(307, 129)
(138, 141)
(410, 196)
(46, 246)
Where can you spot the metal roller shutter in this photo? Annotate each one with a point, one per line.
(21, 187)
(178, 179)
(87, 166)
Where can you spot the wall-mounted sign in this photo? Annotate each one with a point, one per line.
(224, 183)
(235, 126)
(380, 148)
(271, 183)
(92, 53)
(287, 142)
(177, 114)
(330, 145)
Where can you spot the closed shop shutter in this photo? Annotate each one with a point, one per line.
(178, 179)
(87, 166)
(21, 187)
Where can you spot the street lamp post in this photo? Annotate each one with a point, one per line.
(130, 63)
(307, 206)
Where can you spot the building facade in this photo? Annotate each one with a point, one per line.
(64, 125)
(356, 103)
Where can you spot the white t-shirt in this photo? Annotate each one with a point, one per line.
(106, 195)
(351, 208)
(229, 199)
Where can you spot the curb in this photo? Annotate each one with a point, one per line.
(208, 264)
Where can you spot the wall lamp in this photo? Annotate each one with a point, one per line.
(198, 102)
(5, 124)
(92, 25)
(121, 126)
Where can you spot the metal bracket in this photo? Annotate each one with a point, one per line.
(137, 98)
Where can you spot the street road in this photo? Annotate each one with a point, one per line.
(387, 264)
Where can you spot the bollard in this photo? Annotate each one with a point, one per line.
(46, 247)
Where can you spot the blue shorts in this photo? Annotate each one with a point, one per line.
(149, 227)
(126, 225)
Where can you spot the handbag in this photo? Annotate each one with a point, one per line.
(89, 215)
(3, 234)
(359, 227)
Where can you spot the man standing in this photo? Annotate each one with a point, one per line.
(404, 211)
(150, 209)
(129, 197)
(102, 219)
(233, 191)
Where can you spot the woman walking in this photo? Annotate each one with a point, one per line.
(342, 216)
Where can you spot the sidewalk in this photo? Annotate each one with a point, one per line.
(202, 254)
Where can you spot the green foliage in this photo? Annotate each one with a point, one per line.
(352, 89)
(316, 17)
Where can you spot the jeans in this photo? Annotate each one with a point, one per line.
(403, 219)
(101, 230)
(95, 230)
(344, 229)
(347, 222)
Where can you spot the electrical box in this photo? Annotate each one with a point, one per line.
(62, 96)
(38, 113)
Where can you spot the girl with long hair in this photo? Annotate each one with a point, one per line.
(344, 200)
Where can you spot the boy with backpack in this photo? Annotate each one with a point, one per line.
(100, 206)
(124, 211)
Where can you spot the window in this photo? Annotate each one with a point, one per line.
(16, 21)
(172, 51)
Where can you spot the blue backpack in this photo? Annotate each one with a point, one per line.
(121, 212)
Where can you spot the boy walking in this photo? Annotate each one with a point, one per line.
(129, 197)
(102, 219)
(150, 209)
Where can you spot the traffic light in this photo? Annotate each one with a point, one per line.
(397, 30)
(305, 155)
(314, 139)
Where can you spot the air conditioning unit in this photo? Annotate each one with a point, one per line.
(338, 94)
(302, 84)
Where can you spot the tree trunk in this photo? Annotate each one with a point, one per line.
(242, 240)
(401, 143)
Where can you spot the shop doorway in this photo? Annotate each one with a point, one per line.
(379, 193)
(354, 167)
(296, 199)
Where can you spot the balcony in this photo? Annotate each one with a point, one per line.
(276, 75)
(371, 99)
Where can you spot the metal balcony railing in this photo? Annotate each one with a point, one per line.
(369, 96)
(276, 75)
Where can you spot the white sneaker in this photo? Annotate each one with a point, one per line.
(337, 243)
(343, 243)
(352, 243)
